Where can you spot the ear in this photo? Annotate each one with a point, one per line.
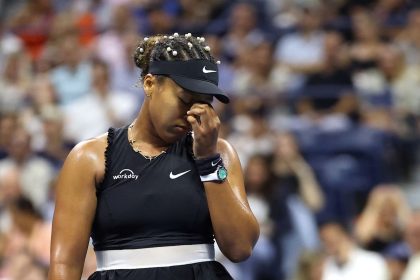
(150, 84)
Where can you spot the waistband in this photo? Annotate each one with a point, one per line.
(154, 257)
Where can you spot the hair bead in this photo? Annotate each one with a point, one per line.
(171, 47)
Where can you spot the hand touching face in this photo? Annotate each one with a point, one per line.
(205, 124)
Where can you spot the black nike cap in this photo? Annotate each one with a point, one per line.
(196, 75)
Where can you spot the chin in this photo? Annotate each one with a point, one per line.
(173, 136)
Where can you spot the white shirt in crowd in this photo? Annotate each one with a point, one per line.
(362, 265)
(88, 116)
(412, 271)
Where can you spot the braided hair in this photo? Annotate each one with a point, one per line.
(170, 48)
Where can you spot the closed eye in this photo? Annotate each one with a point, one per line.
(183, 101)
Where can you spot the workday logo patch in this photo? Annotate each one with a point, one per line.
(126, 174)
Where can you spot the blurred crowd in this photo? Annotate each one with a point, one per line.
(325, 116)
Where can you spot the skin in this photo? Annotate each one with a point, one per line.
(167, 113)
(336, 242)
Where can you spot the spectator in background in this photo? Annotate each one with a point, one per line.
(72, 79)
(366, 42)
(258, 184)
(62, 26)
(28, 223)
(303, 50)
(36, 173)
(310, 266)
(23, 267)
(289, 165)
(7, 123)
(32, 23)
(257, 74)
(14, 82)
(409, 38)
(251, 134)
(194, 15)
(412, 236)
(329, 92)
(345, 260)
(402, 79)
(242, 29)
(2, 245)
(295, 199)
(157, 17)
(391, 13)
(124, 75)
(115, 47)
(9, 42)
(100, 10)
(396, 257)
(111, 44)
(335, 70)
(56, 147)
(10, 189)
(94, 113)
(383, 219)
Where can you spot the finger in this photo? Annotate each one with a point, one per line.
(205, 112)
(196, 117)
(195, 125)
(196, 111)
(202, 106)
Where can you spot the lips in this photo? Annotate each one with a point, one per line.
(182, 128)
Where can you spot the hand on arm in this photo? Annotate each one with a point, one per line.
(235, 227)
(74, 210)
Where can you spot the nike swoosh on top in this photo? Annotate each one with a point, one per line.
(208, 71)
(174, 176)
(213, 164)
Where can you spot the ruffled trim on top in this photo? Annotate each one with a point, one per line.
(110, 139)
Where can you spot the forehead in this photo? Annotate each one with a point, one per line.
(189, 95)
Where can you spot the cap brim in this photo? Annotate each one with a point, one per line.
(200, 86)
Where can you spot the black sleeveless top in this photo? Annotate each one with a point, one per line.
(143, 203)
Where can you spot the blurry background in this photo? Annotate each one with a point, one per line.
(325, 116)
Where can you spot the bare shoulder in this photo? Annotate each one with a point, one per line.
(89, 155)
(90, 149)
(227, 151)
(224, 146)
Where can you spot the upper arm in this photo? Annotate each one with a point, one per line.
(76, 203)
(234, 168)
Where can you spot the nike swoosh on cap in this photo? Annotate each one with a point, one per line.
(208, 71)
(174, 176)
